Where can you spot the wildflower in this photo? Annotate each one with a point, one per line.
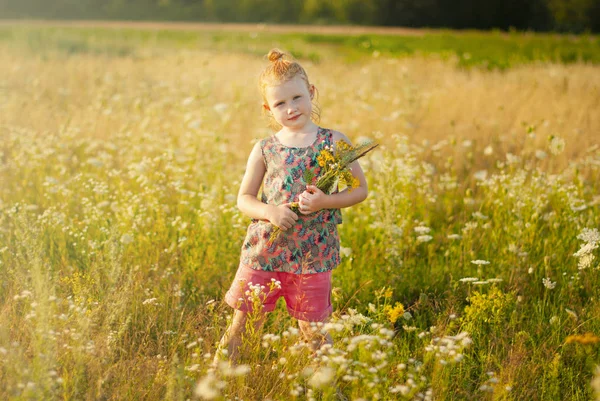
(395, 312)
(548, 283)
(208, 387)
(345, 252)
(488, 150)
(588, 235)
(424, 238)
(480, 262)
(585, 339)
(422, 230)
(556, 145)
(325, 158)
(236, 371)
(470, 225)
(402, 389)
(274, 284)
(356, 319)
(468, 279)
(571, 313)
(480, 175)
(512, 158)
(585, 249)
(585, 261)
(321, 377)
(193, 368)
(480, 216)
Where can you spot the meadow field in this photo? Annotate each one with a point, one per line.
(471, 272)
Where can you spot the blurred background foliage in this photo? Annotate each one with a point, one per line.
(539, 15)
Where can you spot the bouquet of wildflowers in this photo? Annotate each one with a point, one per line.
(334, 170)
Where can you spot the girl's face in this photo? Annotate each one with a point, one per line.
(290, 103)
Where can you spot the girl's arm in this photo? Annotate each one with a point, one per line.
(313, 199)
(247, 201)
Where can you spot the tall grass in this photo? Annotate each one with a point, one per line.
(119, 232)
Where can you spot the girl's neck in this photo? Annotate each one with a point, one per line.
(308, 129)
(298, 139)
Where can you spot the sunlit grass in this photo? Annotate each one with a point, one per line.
(119, 233)
(489, 50)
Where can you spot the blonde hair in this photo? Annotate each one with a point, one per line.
(281, 69)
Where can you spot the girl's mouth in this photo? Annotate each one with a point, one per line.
(294, 118)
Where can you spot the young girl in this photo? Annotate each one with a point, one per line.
(301, 257)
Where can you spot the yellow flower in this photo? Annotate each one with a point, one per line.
(325, 158)
(354, 183)
(349, 180)
(395, 312)
(585, 339)
(342, 146)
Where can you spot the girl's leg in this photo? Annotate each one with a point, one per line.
(313, 336)
(232, 339)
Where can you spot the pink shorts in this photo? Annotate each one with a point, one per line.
(307, 296)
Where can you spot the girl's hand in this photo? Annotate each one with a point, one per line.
(312, 200)
(282, 216)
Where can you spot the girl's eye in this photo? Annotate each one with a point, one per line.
(278, 104)
(297, 97)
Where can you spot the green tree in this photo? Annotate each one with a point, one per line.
(571, 15)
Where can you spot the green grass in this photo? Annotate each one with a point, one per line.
(493, 50)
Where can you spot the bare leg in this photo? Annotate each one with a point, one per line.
(314, 336)
(232, 339)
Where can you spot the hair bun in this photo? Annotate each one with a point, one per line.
(275, 55)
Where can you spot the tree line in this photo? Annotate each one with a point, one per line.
(538, 15)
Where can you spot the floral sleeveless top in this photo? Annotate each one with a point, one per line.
(312, 245)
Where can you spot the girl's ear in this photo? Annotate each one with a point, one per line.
(311, 90)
